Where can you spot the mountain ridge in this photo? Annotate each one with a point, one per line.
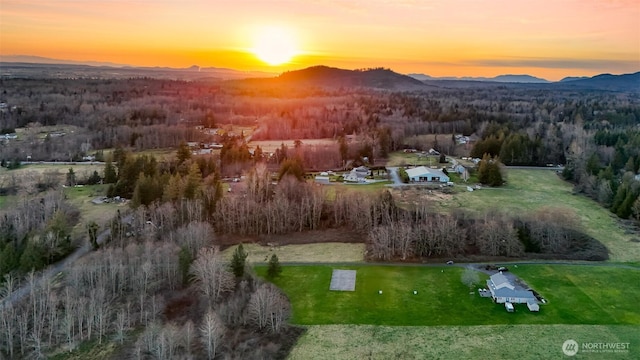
(322, 75)
(505, 78)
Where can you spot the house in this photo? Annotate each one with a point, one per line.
(424, 174)
(503, 291)
(358, 174)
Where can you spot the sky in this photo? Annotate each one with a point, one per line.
(545, 38)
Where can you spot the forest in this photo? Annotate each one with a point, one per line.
(158, 285)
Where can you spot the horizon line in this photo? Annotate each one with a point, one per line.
(42, 60)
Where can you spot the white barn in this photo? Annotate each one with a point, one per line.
(424, 174)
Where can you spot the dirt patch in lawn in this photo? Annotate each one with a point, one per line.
(419, 195)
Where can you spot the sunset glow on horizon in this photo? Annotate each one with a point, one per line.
(546, 38)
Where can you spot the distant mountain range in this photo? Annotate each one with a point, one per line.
(324, 76)
(387, 79)
(107, 69)
(625, 82)
(30, 59)
(526, 79)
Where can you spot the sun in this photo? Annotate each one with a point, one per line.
(275, 46)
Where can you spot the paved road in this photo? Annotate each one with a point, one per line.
(555, 168)
(393, 172)
(62, 163)
(465, 265)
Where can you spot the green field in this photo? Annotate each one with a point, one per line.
(577, 295)
(400, 158)
(82, 170)
(587, 294)
(339, 342)
(530, 190)
(82, 196)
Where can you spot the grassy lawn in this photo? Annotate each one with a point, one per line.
(338, 342)
(529, 190)
(442, 299)
(82, 196)
(400, 158)
(374, 188)
(586, 294)
(320, 252)
(3, 201)
(81, 169)
(160, 154)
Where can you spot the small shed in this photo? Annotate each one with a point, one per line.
(322, 180)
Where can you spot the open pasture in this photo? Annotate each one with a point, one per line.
(270, 146)
(527, 191)
(328, 252)
(81, 197)
(442, 298)
(342, 342)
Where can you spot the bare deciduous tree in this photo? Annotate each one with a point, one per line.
(212, 275)
(268, 308)
(211, 333)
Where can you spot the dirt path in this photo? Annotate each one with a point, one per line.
(54, 269)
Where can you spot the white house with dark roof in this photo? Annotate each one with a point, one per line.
(358, 174)
(424, 174)
(502, 291)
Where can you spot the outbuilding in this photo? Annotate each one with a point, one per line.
(424, 174)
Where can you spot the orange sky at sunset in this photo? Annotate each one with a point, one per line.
(546, 38)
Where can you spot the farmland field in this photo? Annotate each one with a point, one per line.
(339, 342)
(530, 190)
(442, 299)
(320, 252)
(401, 159)
(451, 323)
(269, 146)
(82, 170)
(82, 196)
